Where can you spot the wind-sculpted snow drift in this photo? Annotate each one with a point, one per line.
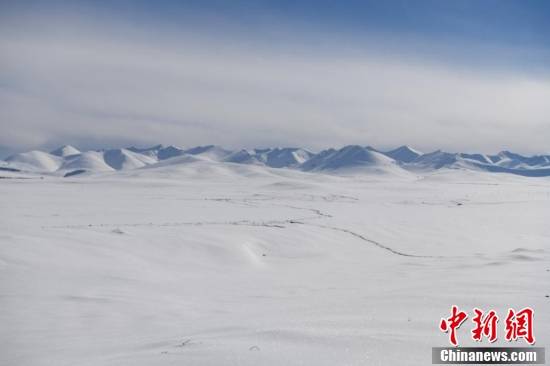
(352, 159)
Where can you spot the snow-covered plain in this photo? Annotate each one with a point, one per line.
(230, 264)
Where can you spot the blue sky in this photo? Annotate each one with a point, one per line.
(507, 22)
(317, 73)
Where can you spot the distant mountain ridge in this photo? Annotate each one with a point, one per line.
(351, 159)
(404, 154)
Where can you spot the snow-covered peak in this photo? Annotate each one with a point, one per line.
(169, 152)
(435, 160)
(159, 151)
(92, 161)
(403, 154)
(123, 159)
(286, 157)
(243, 157)
(350, 156)
(149, 151)
(65, 150)
(35, 161)
(212, 152)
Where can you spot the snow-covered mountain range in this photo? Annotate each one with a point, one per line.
(352, 159)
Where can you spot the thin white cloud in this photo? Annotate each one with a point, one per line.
(99, 90)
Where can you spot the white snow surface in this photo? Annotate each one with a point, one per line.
(198, 262)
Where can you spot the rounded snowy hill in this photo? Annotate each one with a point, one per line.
(287, 157)
(212, 152)
(91, 161)
(123, 159)
(158, 152)
(353, 159)
(65, 150)
(190, 166)
(35, 161)
(243, 157)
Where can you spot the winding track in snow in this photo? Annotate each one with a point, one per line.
(279, 224)
(364, 238)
